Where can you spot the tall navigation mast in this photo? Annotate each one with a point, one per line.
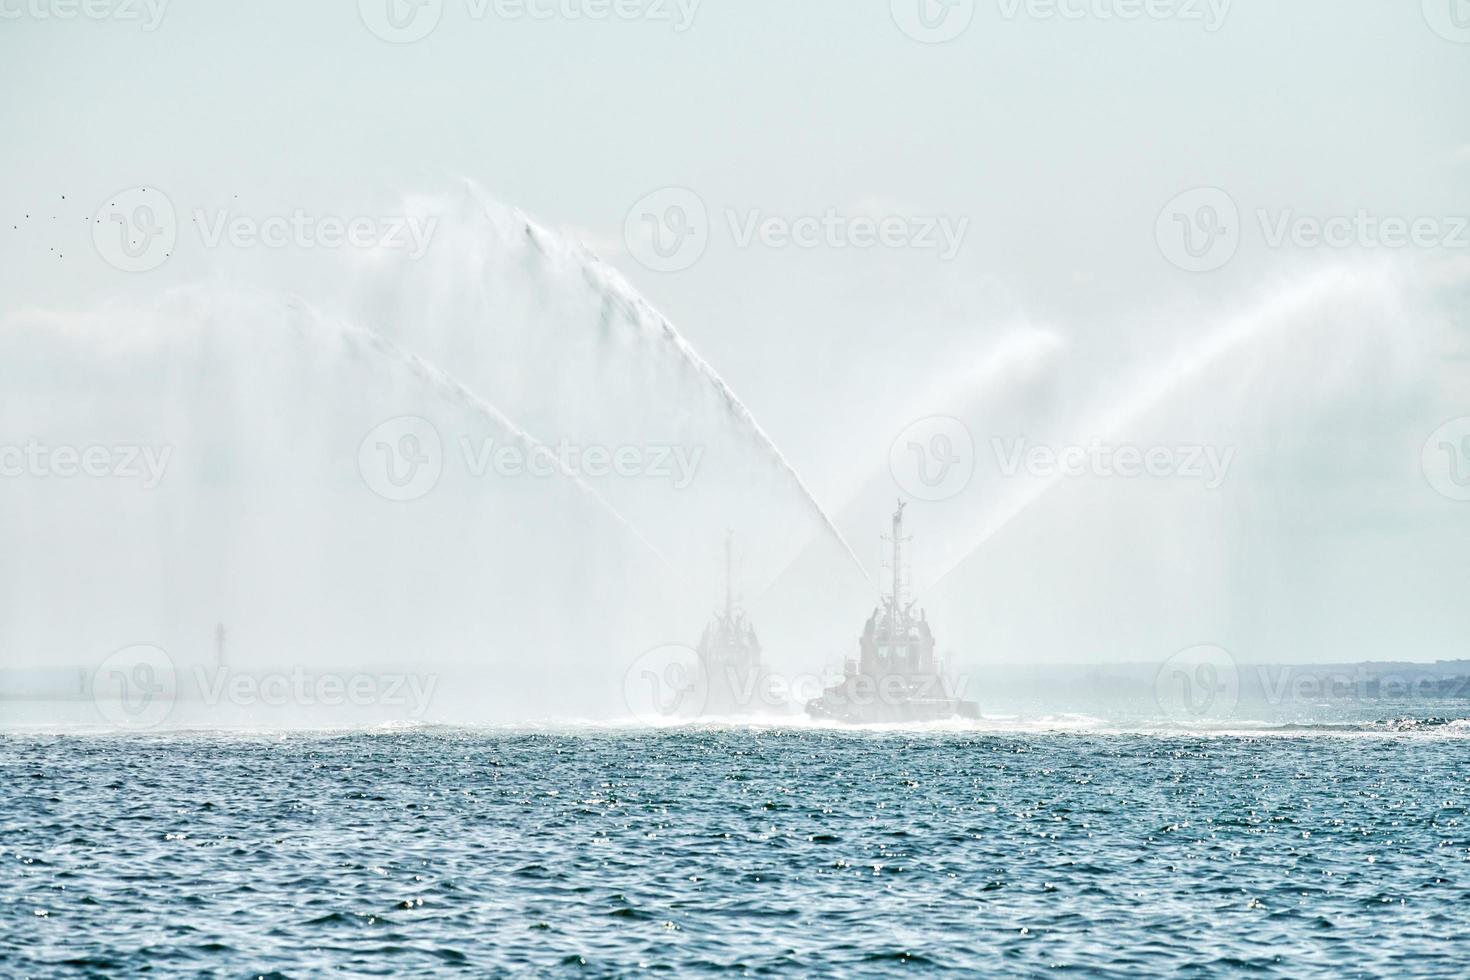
(897, 539)
(729, 574)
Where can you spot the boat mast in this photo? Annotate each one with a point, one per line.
(897, 539)
(729, 586)
(898, 556)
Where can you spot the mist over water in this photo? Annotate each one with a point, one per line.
(285, 502)
(1294, 415)
(321, 473)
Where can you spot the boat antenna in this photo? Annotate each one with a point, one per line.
(897, 540)
(729, 584)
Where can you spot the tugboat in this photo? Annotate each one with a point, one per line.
(730, 677)
(896, 678)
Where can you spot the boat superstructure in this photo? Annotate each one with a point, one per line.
(731, 679)
(896, 677)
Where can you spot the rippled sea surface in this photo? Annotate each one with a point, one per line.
(456, 852)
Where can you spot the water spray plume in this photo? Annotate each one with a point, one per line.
(449, 387)
(614, 288)
(1194, 362)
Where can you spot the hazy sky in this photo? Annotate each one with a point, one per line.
(1059, 139)
(1050, 139)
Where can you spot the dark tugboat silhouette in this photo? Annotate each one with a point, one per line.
(896, 679)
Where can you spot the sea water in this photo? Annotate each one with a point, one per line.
(453, 851)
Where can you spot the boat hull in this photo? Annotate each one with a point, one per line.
(852, 705)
